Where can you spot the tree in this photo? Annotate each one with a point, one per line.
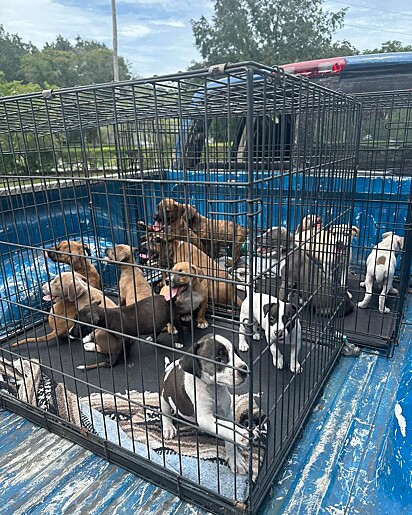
(66, 65)
(390, 46)
(270, 32)
(12, 49)
(16, 87)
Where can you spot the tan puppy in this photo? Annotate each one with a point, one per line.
(133, 285)
(212, 235)
(69, 292)
(189, 291)
(73, 252)
(168, 252)
(171, 215)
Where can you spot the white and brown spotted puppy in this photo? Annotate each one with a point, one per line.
(133, 285)
(380, 267)
(196, 389)
(279, 320)
(73, 253)
(189, 291)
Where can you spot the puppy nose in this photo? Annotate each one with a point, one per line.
(244, 368)
(167, 280)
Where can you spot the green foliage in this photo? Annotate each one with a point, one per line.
(390, 46)
(16, 87)
(64, 64)
(12, 49)
(269, 32)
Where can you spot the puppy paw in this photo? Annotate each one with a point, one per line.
(349, 294)
(296, 368)
(171, 329)
(169, 431)
(361, 305)
(90, 347)
(88, 338)
(385, 310)
(278, 362)
(186, 318)
(238, 466)
(256, 336)
(394, 291)
(178, 345)
(243, 346)
(203, 325)
(149, 339)
(362, 284)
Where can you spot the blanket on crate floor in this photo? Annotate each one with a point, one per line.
(132, 421)
(193, 454)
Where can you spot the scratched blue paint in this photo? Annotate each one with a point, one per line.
(353, 458)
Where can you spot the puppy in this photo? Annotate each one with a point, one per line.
(212, 234)
(71, 253)
(279, 321)
(168, 252)
(133, 285)
(146, 317)
(69, 292)
(328, 247)
(303, 275)
(380, 267)
(172, 216)
(189, 291)
(197, 390)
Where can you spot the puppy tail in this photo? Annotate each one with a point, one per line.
(44, 338)
(380, 273)
(167, 362)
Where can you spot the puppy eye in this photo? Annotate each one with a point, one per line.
(218, 359)
(180, 270)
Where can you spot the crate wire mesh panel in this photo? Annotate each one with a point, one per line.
(382, 204)
(195, 194)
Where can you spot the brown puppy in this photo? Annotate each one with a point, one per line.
(132, 284)
(69, 293)
(171, 215)
(168, 252)
(71, 253)
(212, 234)
(189, 291)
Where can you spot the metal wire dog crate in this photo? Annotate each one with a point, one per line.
(382, 204)
(251, 150)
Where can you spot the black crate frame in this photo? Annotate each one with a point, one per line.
(383, 178)
(66, 161)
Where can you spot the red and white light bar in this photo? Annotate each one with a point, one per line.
(317, 67)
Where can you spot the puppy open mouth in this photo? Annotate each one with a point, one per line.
(157, 226)
(174, 291)
(51, 298)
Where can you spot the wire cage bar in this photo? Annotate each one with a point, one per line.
(381, 206)
(208, 211)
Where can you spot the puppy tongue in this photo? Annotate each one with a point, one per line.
(48, 298)
(143, 256)
(174, 292)
(157, 226)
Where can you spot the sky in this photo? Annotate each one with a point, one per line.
(155, 36)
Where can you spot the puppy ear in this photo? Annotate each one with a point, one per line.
(355, 231)
(191, 211)
(266, 309)
(87, 249)
(120, 254)
(194, 269)
(386, 234)
(75, 289)
(191, 364)
(399, 240)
